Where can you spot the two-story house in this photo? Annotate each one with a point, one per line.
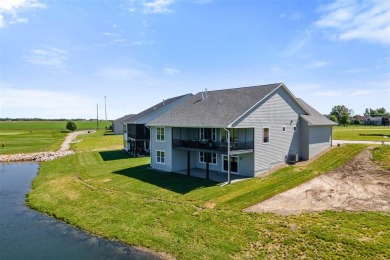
(136, 136)
(244, 131)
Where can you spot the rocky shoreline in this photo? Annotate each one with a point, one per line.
(33, 157)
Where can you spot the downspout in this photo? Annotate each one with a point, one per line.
(228, 154)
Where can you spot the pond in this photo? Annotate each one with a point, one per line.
(28, 234)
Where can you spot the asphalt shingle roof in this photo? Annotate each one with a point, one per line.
(219, 109)
(123, 118)
(314, 117)
(153, 109)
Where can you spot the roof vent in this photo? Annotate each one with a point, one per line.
(164, 102)
(202, 95)
(205, 90)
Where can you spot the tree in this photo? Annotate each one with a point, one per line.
(345, 119)
(333, 118)
(376, 112)
(339, 110)
(385, 121)
(71, 126)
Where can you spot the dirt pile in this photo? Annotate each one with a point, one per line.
(359, 185)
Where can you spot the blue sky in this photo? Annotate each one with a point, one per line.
(59, 58)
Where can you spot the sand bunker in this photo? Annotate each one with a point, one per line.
(359, 185)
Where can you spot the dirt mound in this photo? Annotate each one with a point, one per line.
(359, 185)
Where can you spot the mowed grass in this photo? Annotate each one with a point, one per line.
(109, 194)
(381, 156)
(100, 140)
(24, 141)
(38, 136)
(50, 125)
(361, 133)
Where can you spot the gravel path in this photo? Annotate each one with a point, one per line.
(359, 185)
(70, 137)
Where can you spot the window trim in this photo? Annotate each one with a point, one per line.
(212, 157)
(269, 134)
(162, 136)
(157, 156)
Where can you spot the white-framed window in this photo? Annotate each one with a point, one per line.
(265, 135)
(160, 156)
(295, 128)
(202, 158)
(161, 134)
(284, 128)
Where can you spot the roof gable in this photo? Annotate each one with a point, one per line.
(218, 108)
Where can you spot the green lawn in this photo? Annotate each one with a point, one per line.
(109, 194)
(50, 125)
(361, 133)
(381, 155)
(24, 141)
(41, 136)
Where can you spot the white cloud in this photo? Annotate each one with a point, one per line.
(317, 64)
(297, 44)
(360, 92)
(328, 93)
(46, 104)
(10, 10)
(49, 56)
(171, 71)
(357, 20)
(122, 73)
(150, 6)
(158, 6)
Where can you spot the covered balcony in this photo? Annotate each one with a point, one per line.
(213, 140)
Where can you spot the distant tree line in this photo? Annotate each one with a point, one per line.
(342, 115)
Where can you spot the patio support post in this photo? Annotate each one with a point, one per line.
(207, 157)
(188, 162)
(228, 154)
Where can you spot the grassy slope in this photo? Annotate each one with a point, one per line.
(111, 195)
(352, 132)
(381, 155)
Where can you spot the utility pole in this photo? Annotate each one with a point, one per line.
(97, 116)
(105, 109)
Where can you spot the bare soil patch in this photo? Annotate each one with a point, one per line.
(359, 185)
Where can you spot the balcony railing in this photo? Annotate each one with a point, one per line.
(211, 145)
(138, 135)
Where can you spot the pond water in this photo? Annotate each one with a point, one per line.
(28, 234)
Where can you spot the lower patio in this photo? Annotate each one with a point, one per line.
(214, 175)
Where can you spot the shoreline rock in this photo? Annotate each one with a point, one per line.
(33, 157)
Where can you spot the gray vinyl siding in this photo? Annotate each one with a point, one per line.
(304, 147)
(275, 111)
(165, 146)
(246, 164)
(320, 138)
(117, 128)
